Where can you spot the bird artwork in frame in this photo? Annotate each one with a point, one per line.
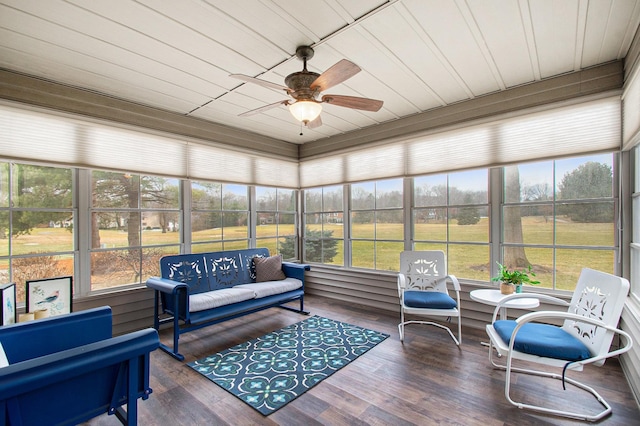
(8, 300)
(53, 295)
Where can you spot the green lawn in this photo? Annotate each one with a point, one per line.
(466, 260)
(472, 261)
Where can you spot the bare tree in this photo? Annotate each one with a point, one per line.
(514, 257)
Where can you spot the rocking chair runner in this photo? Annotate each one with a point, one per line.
(584, 338)
(422, 288)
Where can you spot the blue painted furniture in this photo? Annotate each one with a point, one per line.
(189, 278)
(67, 369)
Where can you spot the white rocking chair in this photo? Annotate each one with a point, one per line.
(422, 288)
(584, 338)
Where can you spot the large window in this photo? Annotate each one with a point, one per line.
(36, 223)
(377, 224)
(134, 221)
(276, 221)
(219, 217)
(128, 222)
(451, 214)
(324, 225)
(559, 216)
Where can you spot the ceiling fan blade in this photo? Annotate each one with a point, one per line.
(338, 73)
(354, 102)
(263, 83)
(263, 108)
(315, 123)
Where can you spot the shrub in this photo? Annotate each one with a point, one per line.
(36, 268)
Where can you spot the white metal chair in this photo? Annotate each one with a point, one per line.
(422, 288)
(585, 336)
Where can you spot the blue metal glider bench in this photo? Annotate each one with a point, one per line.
(188, 276)
(67, 369)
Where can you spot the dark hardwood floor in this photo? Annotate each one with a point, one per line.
(427, 380)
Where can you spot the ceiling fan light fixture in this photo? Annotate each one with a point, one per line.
(305, 110)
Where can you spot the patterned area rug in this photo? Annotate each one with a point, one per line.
(269, 372)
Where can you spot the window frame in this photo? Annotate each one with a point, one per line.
(494, 206)
(248, 240)
(277, 212)
(376, 212)
(146, 266)
(81, 183)
(324, 210)
(554, 202)
(10, 208)
(449, 206)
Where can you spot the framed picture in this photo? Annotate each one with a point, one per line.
(52, 294)
(8, 299)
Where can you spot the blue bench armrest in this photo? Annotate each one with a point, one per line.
(295, 270)
(165, 285)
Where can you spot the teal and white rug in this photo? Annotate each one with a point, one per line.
(273, 370)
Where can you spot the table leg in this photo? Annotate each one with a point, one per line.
(503, 313)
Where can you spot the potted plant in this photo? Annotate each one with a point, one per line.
(512, 279)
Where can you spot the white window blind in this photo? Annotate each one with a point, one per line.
(29, 134)
(276, 172)
(322, 171)
(449, 151)
(125, 150)
(208, 161)
(631, 111)
(389, 159)
(556, 131)
(37, 137)
(217, 163)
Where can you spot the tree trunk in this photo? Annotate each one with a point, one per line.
(95, 228)
(513, 257)
(132, 185)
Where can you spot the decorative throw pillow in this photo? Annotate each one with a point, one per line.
(269, 268)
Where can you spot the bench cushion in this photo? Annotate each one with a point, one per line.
(270, 288)
(213, 299)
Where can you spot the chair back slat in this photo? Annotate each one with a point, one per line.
(424, 270)
(600, 296)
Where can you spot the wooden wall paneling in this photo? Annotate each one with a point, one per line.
(132, 309)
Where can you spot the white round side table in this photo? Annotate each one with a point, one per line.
(492, 297)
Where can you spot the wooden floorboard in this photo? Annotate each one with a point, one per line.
(427, 380)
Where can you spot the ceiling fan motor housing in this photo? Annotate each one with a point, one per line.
(299, 82)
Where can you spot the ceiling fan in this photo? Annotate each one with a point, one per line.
(305, 88)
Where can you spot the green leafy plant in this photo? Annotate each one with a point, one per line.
(514, 276)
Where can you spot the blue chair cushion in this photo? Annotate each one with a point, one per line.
(428, 300)
(543, 340)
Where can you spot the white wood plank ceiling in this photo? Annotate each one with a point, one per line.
(415, 55)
